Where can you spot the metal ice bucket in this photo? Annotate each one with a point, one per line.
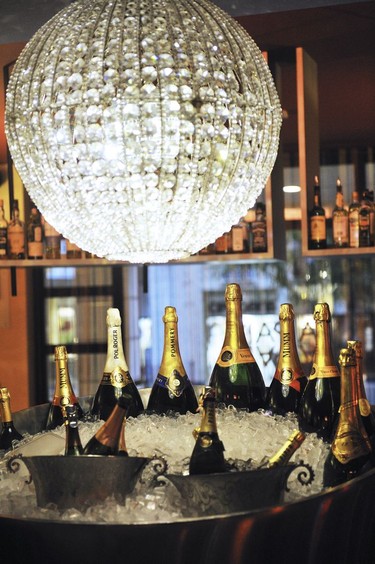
(230, 492)
(81, 481)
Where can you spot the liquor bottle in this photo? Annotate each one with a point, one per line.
(208, 453)
(320, 400)
(370, 194)
(116, 380)
(368, 417)
(289, 381)
(16, 234)
(172, 389)
(3, 233)
(222, 245)
(282, 457)
(354, 221)
(237, 238)
(52, 241)
(236, 377)
(106, 440)
(317, 221)
(364, 220)
(259, 229)
(350, 450)
(340, 219)
(73, 445)
(8, 432)
(64, 394)
(72, 250)
(34, 235)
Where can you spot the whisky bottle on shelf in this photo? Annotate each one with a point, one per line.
(259, 229)
(317, 221)
(52, 241)
(16, 234)
(237, 239)
(222, 245)
(364, 221)
(172, 389)
(8, 432)
(64, 394)
(350, 452)
(370, 194)
(340, 219)
(289, 381)
(236, 377)
(116, 380)
(367, 415)
(354, 221)
(320, 400)
(291, 445)
(3, 233)
(73, 445)
(208, 453)
(106, 440)
(72, 250)
(34, 235)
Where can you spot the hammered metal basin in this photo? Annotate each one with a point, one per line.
(230, 492)
(81, 481)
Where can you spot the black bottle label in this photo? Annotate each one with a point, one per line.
(175, 382)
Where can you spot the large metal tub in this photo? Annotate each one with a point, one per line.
(335, 526)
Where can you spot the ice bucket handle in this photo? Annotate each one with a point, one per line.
(13, 466)
(305, 474)
(154, 472)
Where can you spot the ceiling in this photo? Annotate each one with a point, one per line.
(338, 35)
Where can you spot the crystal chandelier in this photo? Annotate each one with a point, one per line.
(142, 129)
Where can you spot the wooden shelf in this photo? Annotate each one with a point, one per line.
(339, 252)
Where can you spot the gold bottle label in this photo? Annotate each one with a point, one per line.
(289, 377)
(172, 374)
(364, 407)
(323, 372)
(118, 378)
(228, 357)
(65, 394)
(349, 444)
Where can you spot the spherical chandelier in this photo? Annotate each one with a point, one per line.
(142, 129)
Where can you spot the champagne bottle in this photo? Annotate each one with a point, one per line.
(340, 219)
(367, 415)
(317, 221)
(236, 377)
(34, 235)
(282, 457)
(289, 381)
(122, 450)
(350, 449)
(3, 233)
(354, 221)
(73, 445)
(8, 432)
(116, 380)
(208, 453)
(320, 400)
(64, 394)
(106, 440)
(172, 389)
(52, 240)
(16, 234)
(259, 229)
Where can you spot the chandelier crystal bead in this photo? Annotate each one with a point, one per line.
(142, 129)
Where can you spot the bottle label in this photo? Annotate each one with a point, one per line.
(364, 407)
(118, 378)
(354, 229)
(175, 382)
(66, 394)
(3, 241)
(318, 228)
(323, 372)
(349, 444)
(237, 239)
(228, 357)
(34, 249)
(288, 377)
(340, 229)
(16, 238)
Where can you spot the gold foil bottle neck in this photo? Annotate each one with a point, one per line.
(60, 353)
(357, 347)
(322, 312)
(347, 357)
(4, 394)
(286, 312)
(170, 315)
(233, 292)
(113, 317)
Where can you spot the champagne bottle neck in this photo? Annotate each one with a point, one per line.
(171, 359)
(288, 348)
(208, 423)
(5, 412)
(282, 457)
(234, 330)
(323, 352)
(115, 351)
(63, 390)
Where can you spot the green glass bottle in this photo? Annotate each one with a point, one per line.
(317, 221)
(236, 377)
(73, 445)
